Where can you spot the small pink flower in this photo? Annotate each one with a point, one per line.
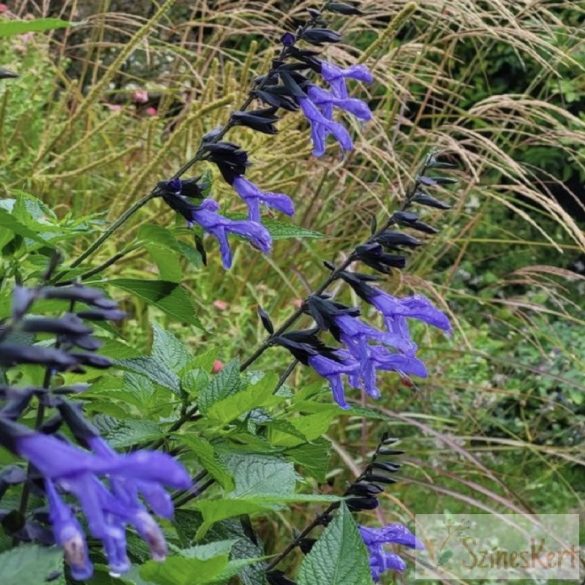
(221, 305)
(3, 8)
(217, 367)
(151, 111)
(140, 96)
(114, 107)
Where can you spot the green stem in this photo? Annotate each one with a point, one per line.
(113, 228)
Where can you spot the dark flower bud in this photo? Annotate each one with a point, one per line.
(373, 256)
(390, 452)
(259, 120)
(397, 240)
(67, 325)
(180, 204)
(314, 13)
(230, 159)
(278, 578)
(6, 74)
(81, 428)
(320, 36)
(343, 8)
(277, 97)
(293, 82)
(364, 489)
(16, 402)
(436, 181)
(304, 344)
(425, 199)
(95, 361)
(102, 315)
(359, 504)
(22, 299)
(288, 39)
(77, 293)
(200, 247)
(378, 478)
(266, 321)
(12, 355)
(386, 466)
(411, 220)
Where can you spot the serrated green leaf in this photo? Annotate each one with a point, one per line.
(258, 474)
(339, 557)
(154, 370)
(167, 349)
(204, 452)
(122, 433)
(9, 222)
(222, 385)
(254, 396)
(29, 565)
(184, 571)
(313, 457)
(169, 297)
(167, 262)
(217, 510)
(280, 230)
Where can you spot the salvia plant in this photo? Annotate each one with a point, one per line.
(219, 445)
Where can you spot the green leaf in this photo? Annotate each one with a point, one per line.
(185, 571)
(10, 28)
(223, 384)
(280, 230)
(255, 396)
(9, 222)
(167, 349)
(217, 510)
(204, 452)
(154, 370)
(29, 565)
(258, 474)
(122, 433)
(339, 557)
(313, 457)
(169, 297)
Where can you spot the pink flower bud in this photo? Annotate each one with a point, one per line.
(221, 305)
(151, 111)
(217, 367)
(3, 8)
(140, 96)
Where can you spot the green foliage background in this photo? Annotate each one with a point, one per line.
(500, 423)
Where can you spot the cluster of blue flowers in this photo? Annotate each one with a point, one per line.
(111, 489)
(285, 87)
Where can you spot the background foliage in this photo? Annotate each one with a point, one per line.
(499, 425)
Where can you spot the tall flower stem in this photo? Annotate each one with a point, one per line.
(330, 279)
(199, 155)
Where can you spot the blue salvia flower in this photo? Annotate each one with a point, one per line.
(397, 311)
(380, 559)
(374, 358)
(206, 216)
(108, 509)
(68, 534)
(337, 76)
(204, 213)
(327, 101)
(363, 343)
(322, 127)
(333, 371)
(254, 197)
